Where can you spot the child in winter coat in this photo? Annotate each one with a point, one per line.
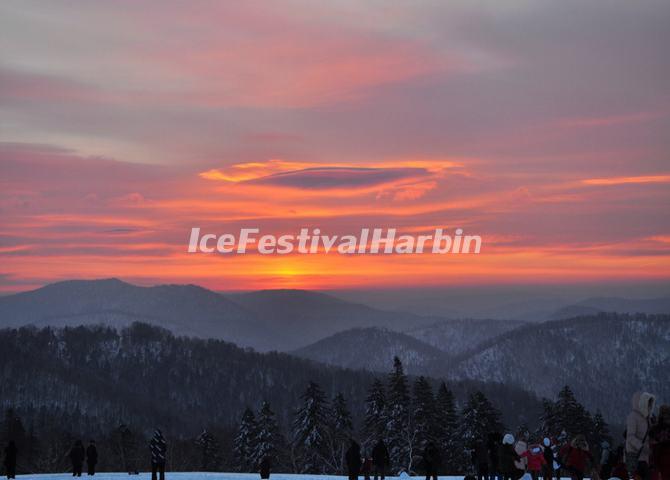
(536, 461)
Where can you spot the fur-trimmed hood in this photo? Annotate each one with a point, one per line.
(643, 403)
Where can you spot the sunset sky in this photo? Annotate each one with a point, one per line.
(543, 126)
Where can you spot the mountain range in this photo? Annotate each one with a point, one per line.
(265, 320)
(596, 353)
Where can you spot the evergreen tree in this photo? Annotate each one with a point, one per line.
(600, 431)
(376, 420)
(245, 442)
(423, 410)
(548, 419)
(311, 430)
(446, 430)
(341, 429)
(268, 439)
(568, 415)
(209, 451)
(479, 418)
(400, 432)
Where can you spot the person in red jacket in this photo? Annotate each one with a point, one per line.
(536, 461)
(577, 458)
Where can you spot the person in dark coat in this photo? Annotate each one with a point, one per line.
(548, 469)
(660, 442)
(129, 449)
(492, 443)
(10, 459)
(432, 461)
(508, 457)
(265, 466)
(380, 460)
(91, 457)
(366, 469)
(158, 455)
(353, 459)
(480, 460)
(77, 455)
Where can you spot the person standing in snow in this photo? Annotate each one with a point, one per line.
(536, 461)
(480, 461)
(431, 461)
(10, 459)
(548, 469)
(265, 466)
(492, 449)
(77, 455)
(367, 466)
(158, 455)
(638, 425)
(91, 457)
(353, 459)
(660, 443)
(520, 447)
(604, 468)
(380, 459)
(508, 457)
(578, 458)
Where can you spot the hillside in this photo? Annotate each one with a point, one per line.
(372, 349)
(601, 357)
(146, 376)
(455, 337)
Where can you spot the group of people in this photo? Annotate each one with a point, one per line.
(644, 454)
(375, 464)
(78, 454)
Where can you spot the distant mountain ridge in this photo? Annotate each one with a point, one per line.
(265, 320)
(182, 309)
(652, 306)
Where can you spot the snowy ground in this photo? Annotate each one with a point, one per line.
(200, 476)
(197, 476)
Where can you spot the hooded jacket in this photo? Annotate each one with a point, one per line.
(637, 425)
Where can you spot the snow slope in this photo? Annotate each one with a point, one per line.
(202, 476)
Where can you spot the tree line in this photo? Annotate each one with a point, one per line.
(63, 385)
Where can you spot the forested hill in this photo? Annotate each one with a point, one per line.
(605, 358)
(145, 376)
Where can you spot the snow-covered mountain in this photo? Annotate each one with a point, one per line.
(601, 357)
(372, 349)
(455, 337)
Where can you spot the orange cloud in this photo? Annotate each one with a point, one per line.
(628, 180)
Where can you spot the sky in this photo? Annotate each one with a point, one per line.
(542, 126)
